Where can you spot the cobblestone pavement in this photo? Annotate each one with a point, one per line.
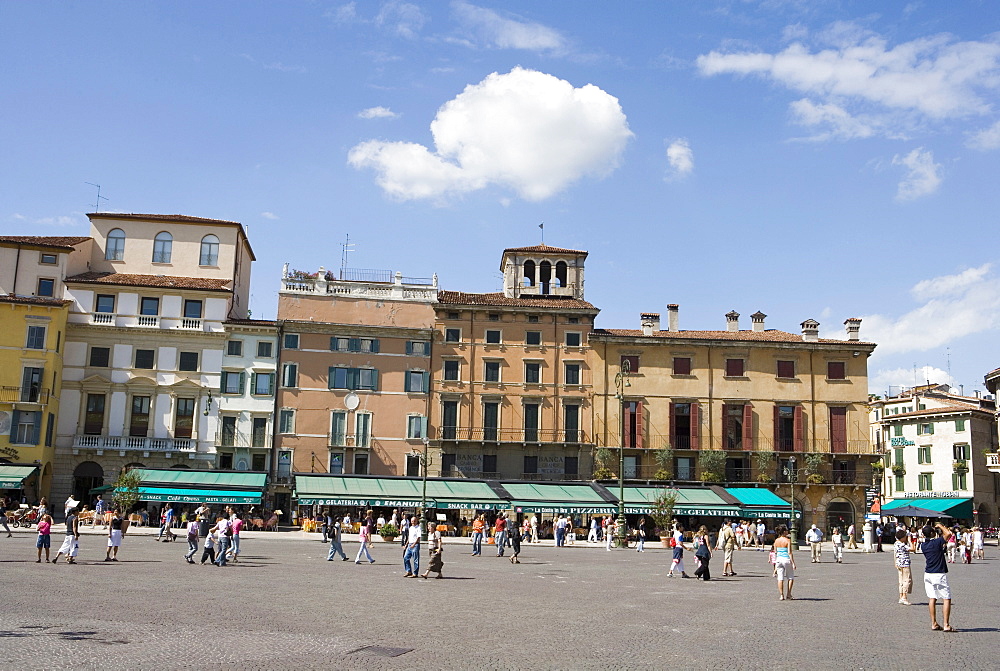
(284, 607)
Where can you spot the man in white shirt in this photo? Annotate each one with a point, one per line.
(411, 557)
(761, 531)
(815, 539)
(852, 543)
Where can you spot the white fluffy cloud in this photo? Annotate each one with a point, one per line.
(525, 130)
(489, 28)
(377, 113)
(402, 18)
(268, 215)
(950, 307)
(840, 124)
(923, 175)
(680, 157)
(986, 139)
(893, 380)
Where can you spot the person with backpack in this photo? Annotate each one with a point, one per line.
(335, 531)
(677, 543)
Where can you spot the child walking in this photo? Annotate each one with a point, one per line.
(838, 545)
(902, 554)
(209, 553)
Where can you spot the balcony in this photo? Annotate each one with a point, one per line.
(993, 461)
(456, 472)
(655, 441)
(133, 443)
(363, 441)
(361, 283)
(491, 435)
(236, 439)
(148, 321)
(191, 324)
(26, 394)
(103, 318)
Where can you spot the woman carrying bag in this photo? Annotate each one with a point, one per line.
(703, 553)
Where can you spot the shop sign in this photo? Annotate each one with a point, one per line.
(930, 495)
(551, 465)
(900, 442)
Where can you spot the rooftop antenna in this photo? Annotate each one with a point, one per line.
(97, 205)
(346, 248)
(542, 226)
(949, 362)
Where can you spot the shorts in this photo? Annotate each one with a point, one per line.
(784, 571)
(115, 539)
(729, 555)
(44, 541)
(905, 580)
(678, 553)
(936, 586)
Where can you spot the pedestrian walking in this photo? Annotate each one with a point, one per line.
(404, 532)
(224, 529)
(193, 527)
(727, 542)
(236, 525)
(901, 552)
(71, 545)
(208, 554)
(4, 505)
(365, 534)
(838, 545)
(167, 523)
(335, 533)
(783, 559)
(677, 543)
(978, 544)
(515, 547)
(534, 529)
(609, 533)
(98, 511)
(411, 557)
(477, 535)
(936, 574)
(115, 535)
(761, 533)
(561, 530)
(815, 539)
(703, 553)
(500, 533)
(327, 523)
(435, 553)
(851, 540)
(640, 533)
(878, 538)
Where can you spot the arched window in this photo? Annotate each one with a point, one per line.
(561, 274)
(162, 245)
(115, 249)
(134, 464)
(209, 251)
(544, 275)
(529, 273)
(87, 476)
(180, 466)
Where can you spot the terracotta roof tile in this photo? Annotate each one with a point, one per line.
(544, 248)
(55, 241)
(155, 281)
(160, 217)
(769, 335)
(33, 300)
(500, 300)
(252, 322)
(951, 407)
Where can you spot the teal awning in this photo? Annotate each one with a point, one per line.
(556, 497)
(159, 494)
(959, 508)
(351, 491)
(181, 485)
(700, 502)
(13, 477)
(762, 502)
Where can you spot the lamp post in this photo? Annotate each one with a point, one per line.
(790, 472)
(621, 383)
(423, 498)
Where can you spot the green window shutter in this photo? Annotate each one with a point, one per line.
(426, 377)
(243, 379)
(333, 343)
(353, 378)
(930, 428)
(36, 432)
(374, 380)
(253, 383)
(423, 427)
(270, 384)
(375, 345)
(406, 383)
(354, 344)
(222, 382)
(409, 347)
(329, 377)
(14, 419)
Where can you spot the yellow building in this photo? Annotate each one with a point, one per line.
(738, 406)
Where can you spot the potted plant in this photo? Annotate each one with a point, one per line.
(603, 473)
(665, 463)
(662, 474)
(898, 470)
(878, 467)
(960, 465)
(662, 512)
(763, 460)
(815, 478)
(125, 494)
(712, 464)
(603, 458)
(388, 532)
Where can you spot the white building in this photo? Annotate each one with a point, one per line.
(934, 444)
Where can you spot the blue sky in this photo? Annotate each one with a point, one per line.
(807, 159)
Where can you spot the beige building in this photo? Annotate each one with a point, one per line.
(737, 406)
(512, 378)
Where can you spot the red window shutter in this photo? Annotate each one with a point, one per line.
(747, 427)
(626, 424)
(695, 426)
(777, 428)
(673, 427)
(725, 420)
(800, 440)
(838, 430)
(638, 424)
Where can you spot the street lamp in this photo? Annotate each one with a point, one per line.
(790, 472)
(621, 383)
(423, 499)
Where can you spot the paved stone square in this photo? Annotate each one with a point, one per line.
(284, 607)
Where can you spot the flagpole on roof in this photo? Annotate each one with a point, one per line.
(542, 226)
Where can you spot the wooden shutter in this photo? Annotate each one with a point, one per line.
(672, 428)
(375, 380)
(243, 378)
(626, 423)
(253, 383)
(270, 383)
(409, 347)
(15, 417)
(695, 426)
(425, 382)
(748, 427)
(639, 428)
(354, 344)
(838, 430)
(777, 428)
(375, 345)
(800, 439)
(36, 431)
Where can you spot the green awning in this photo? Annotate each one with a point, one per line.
(762, 502)
(361, 491)
(13, 477)
(159, 494)
(690, 501)
(959, 508)
(556, 497)
(183, 478)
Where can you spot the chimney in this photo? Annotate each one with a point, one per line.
(810, 330)
(650, 322)
(758, 320)
(732, 320)
(672, 321)
(853, 327)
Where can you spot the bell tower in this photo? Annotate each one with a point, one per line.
(541, 270)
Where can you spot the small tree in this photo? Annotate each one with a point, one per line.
(713, 465)
(763, 461)
(126, 490)
(603, 459)
(814, 467)
(662, 510)
(665, 463)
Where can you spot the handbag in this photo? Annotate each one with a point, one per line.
(771, 557)
(703, 552)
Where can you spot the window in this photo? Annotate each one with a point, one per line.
(490, 463)
(234, 348)
(530, 465)
(48, 259)
(491, 372)
(959, 481)
(491, 420)
(897, 430)
(162, 245)
(291, 341)
(789, 430)
(353, 378)
(286, 420)
(572, 373)
(571, 423)
(188, 361)
(961, 451)
(138, 424)
(46, 287)
(924, 454)
(418, 348)
(921, 406)
(453, 335)
(838, 430)
(36, 337)
(532, 373)
(262, 384)
(632, 424)
(93, 420)
(571, 465)
(959, 425)
(338, 344)
(533, 338)
(232, 382)
(416, 427)
(258, 462)
(531, 416)
(786, 369)
(362, 429)
(836, 370)
(144, 358)
(25, 427)
(149, 306)
(532, 319)
(925, 482)
(449, 421)
(184, 418)
(290, 375)
(900, 483)
(493, 337)
(338, 428)
(682, 365)
(209, 251)
(360, 463)
(925, 429)
(31, 384)
(115, 246)
(225, 460)
(341, 344)
(451, 370)
(50, 429)
(573, 339)
(453, 315)
(100, 357)
(417, 381)
(898, 456)
(573, 320)
(336, 463)
(632, 361)
(192, 309)
(413, 465)
(494, 316)
(265, 349)
(105, 303)
(734, 367)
